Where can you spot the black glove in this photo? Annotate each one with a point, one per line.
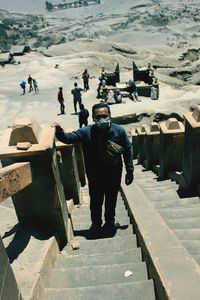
(129, 178)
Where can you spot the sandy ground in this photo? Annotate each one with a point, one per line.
(113, 23)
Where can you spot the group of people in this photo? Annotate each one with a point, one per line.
(77, 99)
(107, 95)
(33, 85)
(112, 96)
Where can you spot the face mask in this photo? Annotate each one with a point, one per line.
(103, 123)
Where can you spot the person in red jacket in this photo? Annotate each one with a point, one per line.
(85, 77)
(61, 101)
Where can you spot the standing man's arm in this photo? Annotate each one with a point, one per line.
(68, 137)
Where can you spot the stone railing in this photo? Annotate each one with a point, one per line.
(171, 148)
(13, 179)
(44, 179)
(57, 175)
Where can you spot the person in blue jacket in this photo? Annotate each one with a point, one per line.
(104, 143)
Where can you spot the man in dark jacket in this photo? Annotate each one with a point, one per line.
(104, 143)
(83, 116)
(76, 92)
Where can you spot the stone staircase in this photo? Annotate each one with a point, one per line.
(97, 269)
(179, 209)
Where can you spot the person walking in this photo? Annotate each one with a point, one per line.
(35, 86)
(83, 116)
(61, 101)
(23, 86)
(76, 92)
(85, 77)
(30, 82)
(104, 143)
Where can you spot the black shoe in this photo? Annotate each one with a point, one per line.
(95, 229)
(112, 225)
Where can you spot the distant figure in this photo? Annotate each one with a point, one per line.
(118, 96)
(102, 78)
(85, 77)
(61, 101)
(30, 82)
(155, 89)
(23, 86)
(83, 116)
(35, 86)
(132, 89)
(110, 98)
(76, 92)
(56, 66)
(104, 91)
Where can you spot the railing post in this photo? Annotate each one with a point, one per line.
(152, 145)
(69, 171)
(134, 136)
(171, 147)
(141, 144)
(191, 156)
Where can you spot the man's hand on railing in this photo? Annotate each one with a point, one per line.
(55, 124)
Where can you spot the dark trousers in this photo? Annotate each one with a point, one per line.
(75, 104)
(98, 193)
(62, 108)
(81, 123)
(86, 85)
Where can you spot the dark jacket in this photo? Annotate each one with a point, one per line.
(60, 96)
(94, 145)
(83, 115)
(76, 92)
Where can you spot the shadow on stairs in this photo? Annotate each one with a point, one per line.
(107, 266)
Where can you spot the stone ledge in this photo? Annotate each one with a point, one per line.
(176, 274)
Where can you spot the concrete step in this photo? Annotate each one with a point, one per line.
(187, 223)
(104, 245)
(86, 223)
(197, 259)
(188, 234)
(153, 183)
(97, 275)
(168, 203)
(126, 256)
(122, 214)
(143, 290)
(193, 246)
(157, 190)
(180, 213)
(124, 230)
(162, 196)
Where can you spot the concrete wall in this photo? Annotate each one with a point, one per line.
(8, 285)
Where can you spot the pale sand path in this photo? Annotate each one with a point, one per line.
(44, 106)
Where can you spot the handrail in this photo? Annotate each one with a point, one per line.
(14, 178)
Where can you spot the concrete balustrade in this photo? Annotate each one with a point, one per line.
(44, 200)
(134, 137)
(152, 145)
(80, 163)
(141, 144)
(69, 171)
(12, 179)
(171, 147)
(191, 155)
(8, 284)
